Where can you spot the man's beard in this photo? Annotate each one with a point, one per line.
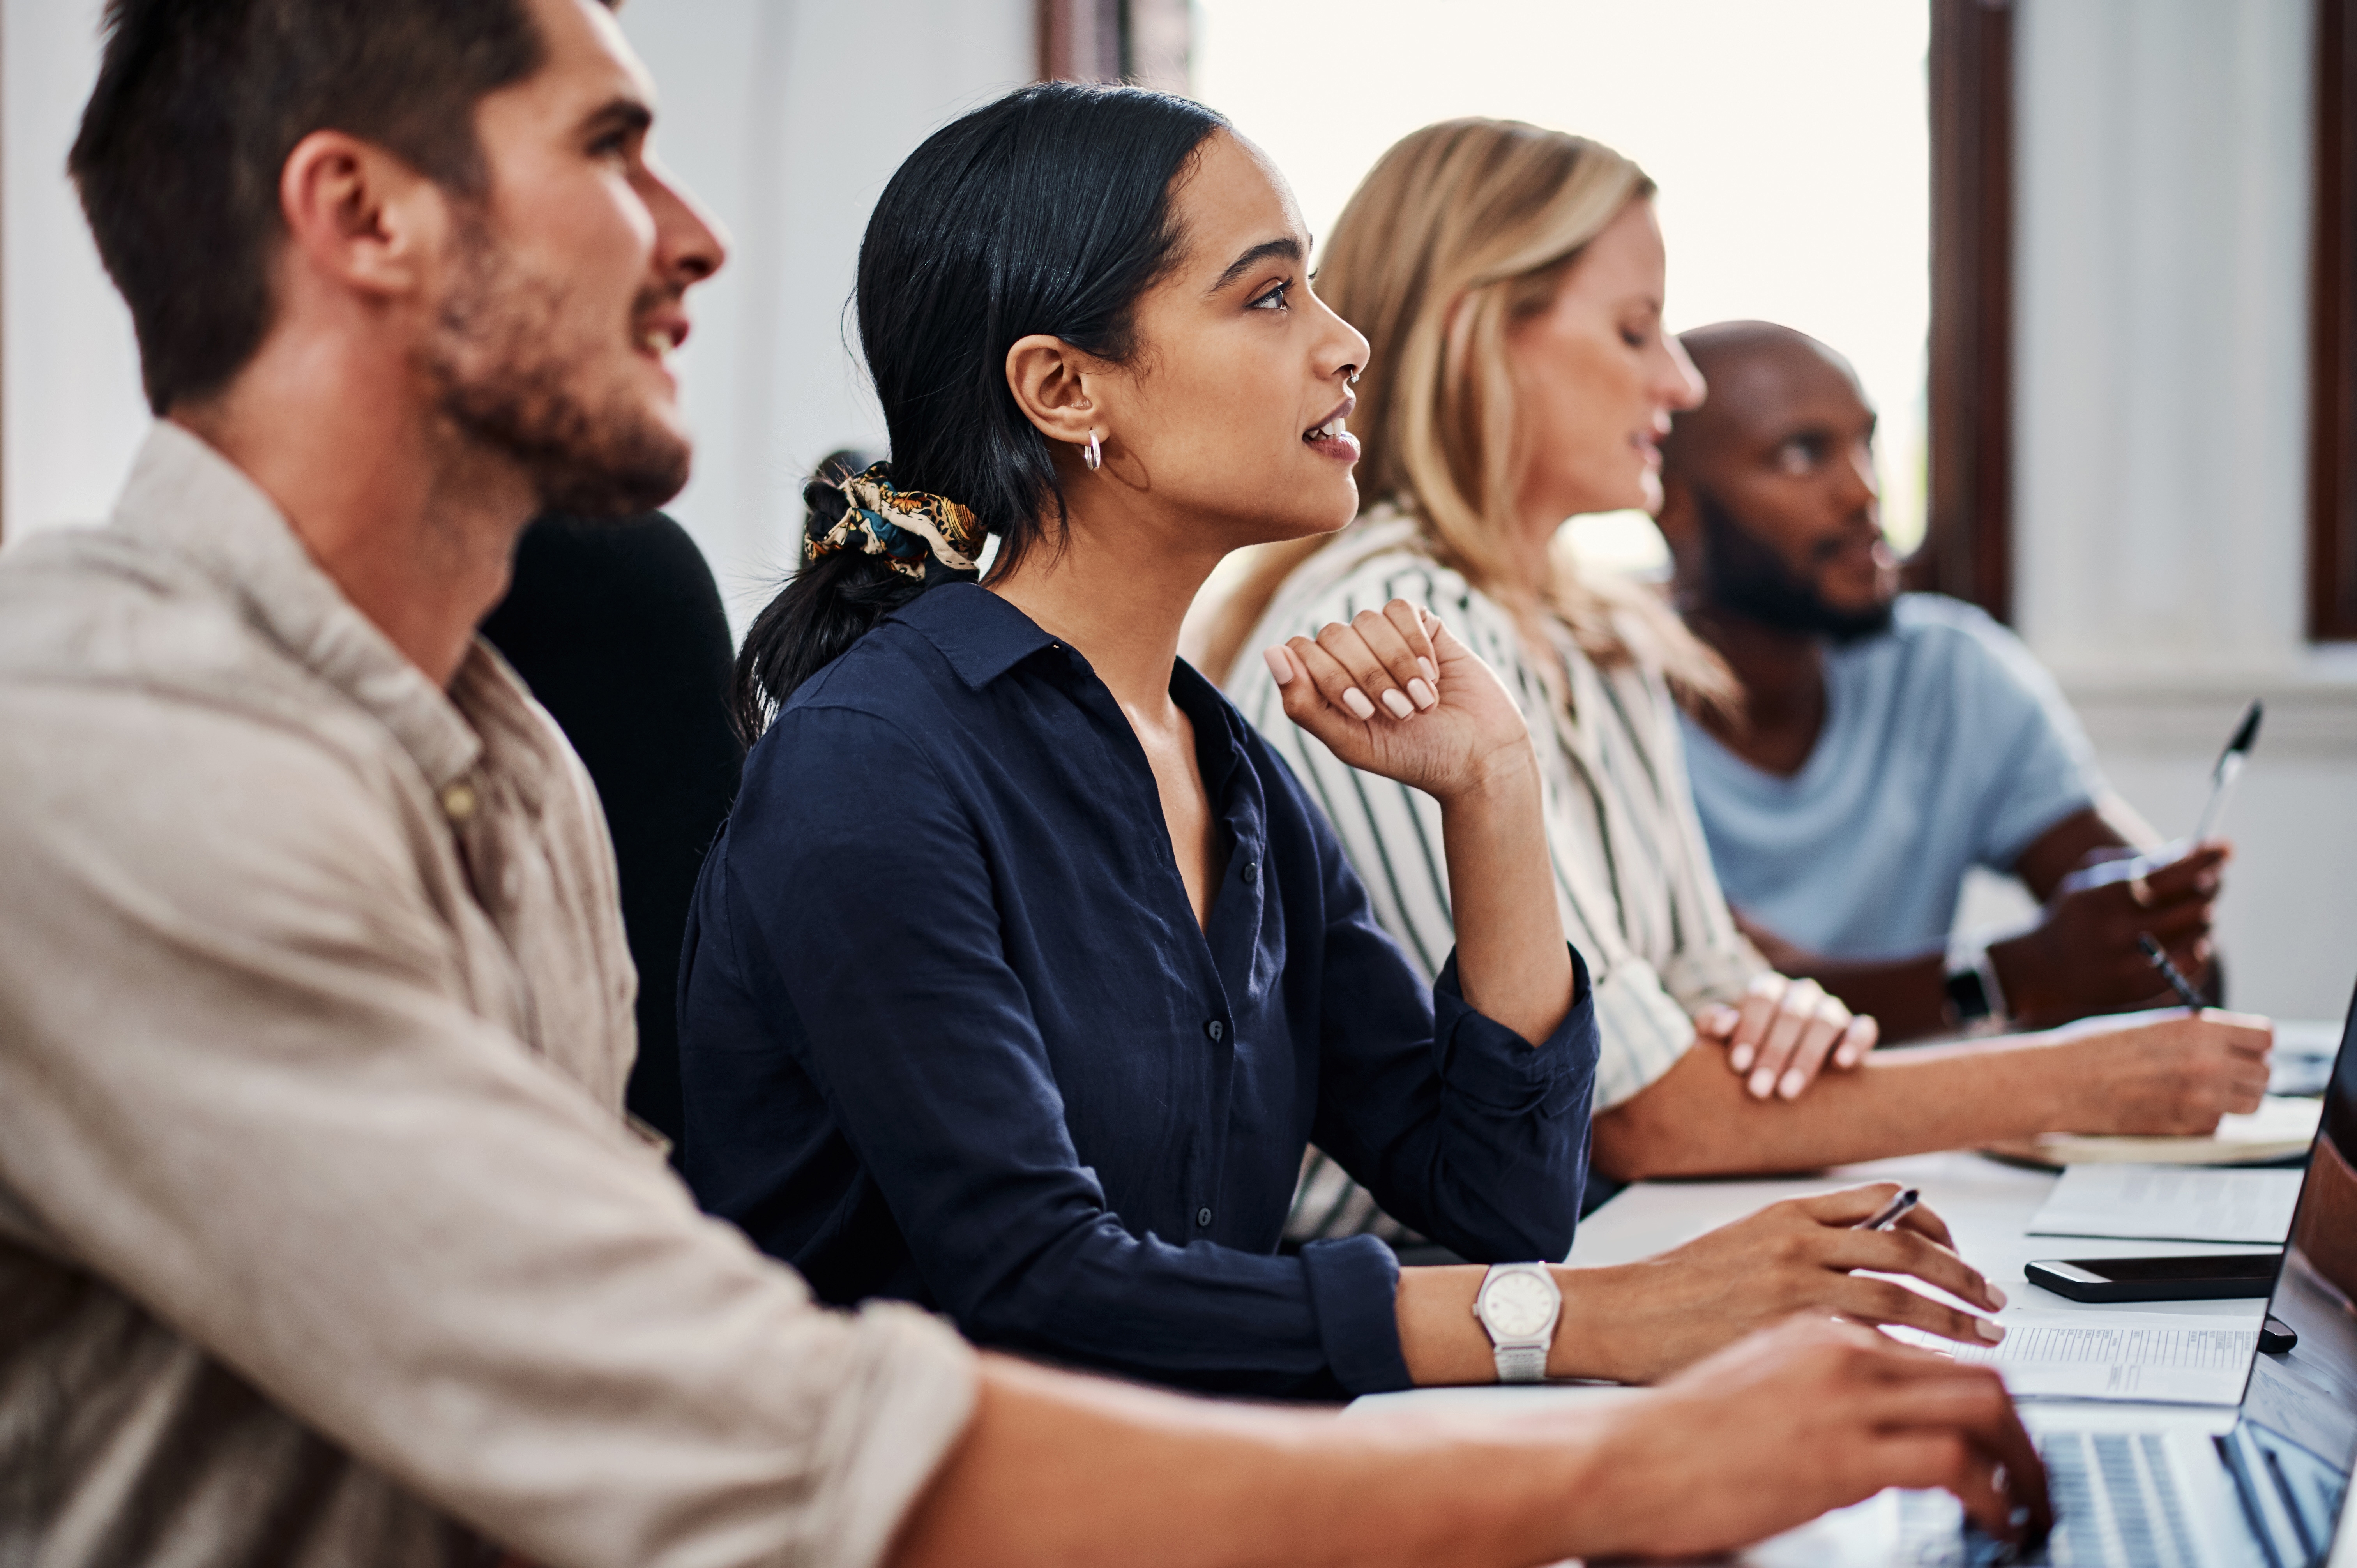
(1749, 579)
(508, 387)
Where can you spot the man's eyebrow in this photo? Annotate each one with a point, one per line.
(1288, 247)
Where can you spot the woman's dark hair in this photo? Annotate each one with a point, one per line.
(1049, 211)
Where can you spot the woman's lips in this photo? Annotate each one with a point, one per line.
(1333, 437)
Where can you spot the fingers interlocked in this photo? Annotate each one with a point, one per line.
(1785, 1032)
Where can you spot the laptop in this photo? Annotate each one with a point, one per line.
(2144, 1490)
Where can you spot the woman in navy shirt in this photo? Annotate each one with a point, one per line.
(1024, 972)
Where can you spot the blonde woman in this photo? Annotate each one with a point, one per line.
(1509, 281)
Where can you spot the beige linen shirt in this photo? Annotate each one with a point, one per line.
(322, 1237)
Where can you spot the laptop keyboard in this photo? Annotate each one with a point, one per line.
(2115, 1502)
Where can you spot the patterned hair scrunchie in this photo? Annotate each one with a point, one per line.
(905, 527)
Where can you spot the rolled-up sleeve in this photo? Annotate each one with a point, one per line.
(240, 1082)
(1460, 1126)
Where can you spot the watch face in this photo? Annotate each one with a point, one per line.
(1517, 1306)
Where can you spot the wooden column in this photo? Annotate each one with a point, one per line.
(1141, 41)
(1080, 40)
(1967, 547)
(2332, 335)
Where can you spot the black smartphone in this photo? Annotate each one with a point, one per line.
(2215, 1278)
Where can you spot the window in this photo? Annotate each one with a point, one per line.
(1790, 145)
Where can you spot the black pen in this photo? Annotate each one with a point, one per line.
(2228, 768)
(2169, 971)
(1897, 1209)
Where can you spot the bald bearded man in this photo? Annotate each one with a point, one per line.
(1889, 741)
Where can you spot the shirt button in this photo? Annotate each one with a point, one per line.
(1252, 871)
(459, 800)
(1217, 1030)
(1203, 1217)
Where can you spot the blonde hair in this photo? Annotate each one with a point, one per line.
(1459, 230)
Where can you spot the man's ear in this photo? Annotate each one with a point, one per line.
(1052, 383)
(360, 215)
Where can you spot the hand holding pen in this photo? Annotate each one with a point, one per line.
(2157, 956)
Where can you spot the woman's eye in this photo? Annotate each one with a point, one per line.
(1273, 299)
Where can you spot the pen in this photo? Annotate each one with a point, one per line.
(1893, 1212)
(2158, 955)
(2228, 768)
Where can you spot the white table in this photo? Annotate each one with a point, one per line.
(1988, 1206)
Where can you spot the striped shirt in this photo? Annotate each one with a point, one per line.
(1632, 872)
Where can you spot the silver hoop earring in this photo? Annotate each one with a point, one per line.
(1354, 377)
(1092, 453)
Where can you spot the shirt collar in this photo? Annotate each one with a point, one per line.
(980, 635)
(189, 499)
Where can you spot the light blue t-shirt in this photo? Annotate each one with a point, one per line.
(1944, 744)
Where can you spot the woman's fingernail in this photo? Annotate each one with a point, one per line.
(1278, 664)
(1421, 693)
(1846, 1055)
(1739, 1058)
(1425, 665)
(1356, 700)
(1989, 1331)
(1995, 1295)
(1396, 705)
(1762, 1083)
(1794, 1081)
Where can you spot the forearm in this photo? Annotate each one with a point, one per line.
(1059, 1469)
(1697, 1120)
(1511, 960)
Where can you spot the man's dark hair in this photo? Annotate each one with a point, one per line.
(198, 104)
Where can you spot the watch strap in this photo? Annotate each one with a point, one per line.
(1521, 1363)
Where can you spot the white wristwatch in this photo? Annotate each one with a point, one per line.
(1518, 1305)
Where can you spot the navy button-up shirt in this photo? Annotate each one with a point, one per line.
(950, 1030)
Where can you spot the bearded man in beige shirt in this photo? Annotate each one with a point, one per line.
(323, 1239)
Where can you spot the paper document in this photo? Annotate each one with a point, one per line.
(2280, 1129)
(2146, 1356)
(2172, 1203)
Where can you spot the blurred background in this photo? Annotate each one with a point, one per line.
(2091, 257)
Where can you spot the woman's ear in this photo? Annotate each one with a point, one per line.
(1052, 384)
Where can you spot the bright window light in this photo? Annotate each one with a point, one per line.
(1790, 141)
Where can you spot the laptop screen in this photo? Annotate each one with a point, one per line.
(2309, 1395)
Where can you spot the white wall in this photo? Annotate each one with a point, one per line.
(2161, 446)
(787, 118)
(73, 409)
(773, 112)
